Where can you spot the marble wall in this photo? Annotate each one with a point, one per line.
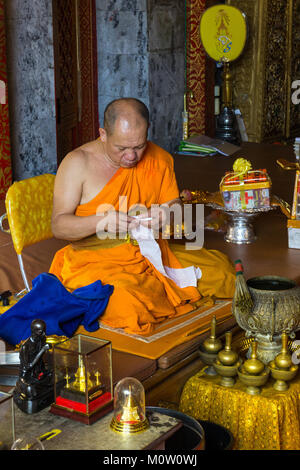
(31, 86)
(141, 53)
(166, 44)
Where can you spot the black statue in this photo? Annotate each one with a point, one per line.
(34, 388)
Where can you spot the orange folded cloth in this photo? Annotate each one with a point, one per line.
(142, 297)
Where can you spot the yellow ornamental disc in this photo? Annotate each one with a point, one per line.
(223, 32)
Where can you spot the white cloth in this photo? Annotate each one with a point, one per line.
(183, 277)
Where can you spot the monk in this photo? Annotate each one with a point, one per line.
(96, 187)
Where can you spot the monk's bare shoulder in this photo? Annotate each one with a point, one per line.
(76, 162)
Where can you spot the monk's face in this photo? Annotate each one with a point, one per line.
(125, 147)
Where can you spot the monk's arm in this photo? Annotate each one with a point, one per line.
(67, 195)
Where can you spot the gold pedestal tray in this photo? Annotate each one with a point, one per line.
(227, 372)
(253, 382)
(282, 376)
(208, 359)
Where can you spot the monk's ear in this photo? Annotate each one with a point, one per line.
(102, 134)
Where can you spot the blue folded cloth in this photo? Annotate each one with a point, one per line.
(62, 311)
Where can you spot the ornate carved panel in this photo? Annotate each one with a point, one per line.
(66, 61)
(293, 124)
(88, 116)
(195, 67)
(262, 75)
(276, 67)
(75, 73)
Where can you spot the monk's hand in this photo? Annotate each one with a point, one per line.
(116, 222)
(155, 218)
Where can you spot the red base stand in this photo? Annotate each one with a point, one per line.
(78, 411)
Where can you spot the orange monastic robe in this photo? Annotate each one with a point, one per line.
(142, 296)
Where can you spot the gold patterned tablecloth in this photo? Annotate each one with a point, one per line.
(269, 421)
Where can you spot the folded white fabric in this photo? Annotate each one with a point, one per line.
(183, 277)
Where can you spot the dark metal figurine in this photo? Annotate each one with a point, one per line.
(34, 389)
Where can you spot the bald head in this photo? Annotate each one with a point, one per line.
(130, 111)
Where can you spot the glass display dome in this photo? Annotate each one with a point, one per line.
(129, 407)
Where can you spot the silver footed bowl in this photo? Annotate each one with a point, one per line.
(274, 309)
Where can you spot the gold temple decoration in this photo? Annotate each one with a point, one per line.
(253, 373)
(227, 86)
(210, 347)
(67, 379)
(212, 344)
(227, 362)
(98, 375)
(80, 383)
(223, 33)
(129, 408)
(282, 368)
(267, 421)
(82, 380)
(284, 359)
(130, 413)
(227, 356)
(253, 366)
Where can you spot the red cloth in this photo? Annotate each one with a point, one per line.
(5, 162)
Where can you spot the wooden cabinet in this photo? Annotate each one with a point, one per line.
(264, 73)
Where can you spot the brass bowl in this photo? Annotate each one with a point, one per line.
(253, 382)
(208, 359)
(226, 372)
(282, 376)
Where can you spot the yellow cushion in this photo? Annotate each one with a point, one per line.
(29, 207)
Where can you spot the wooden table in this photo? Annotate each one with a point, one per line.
(270, 253)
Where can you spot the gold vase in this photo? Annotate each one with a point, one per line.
(227, 356)
(283, 360)
(208, 350)
(212, 344)
(282, 368)
(253, 366)
(227, 363)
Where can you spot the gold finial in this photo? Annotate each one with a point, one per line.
(98, 375)
(67, 378)
(212, 344)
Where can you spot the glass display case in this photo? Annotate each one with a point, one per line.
(83, 378)
(7, 421)
(129, 415)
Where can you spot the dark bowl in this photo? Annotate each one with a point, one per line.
(190, 436)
